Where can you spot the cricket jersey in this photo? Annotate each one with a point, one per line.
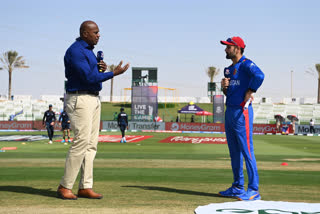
(64, 118)
(239, 121)
(122, 119)
(49, 116)
(243, 76)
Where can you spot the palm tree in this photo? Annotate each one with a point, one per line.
(212, 72)
(111, 68)
(318, 70)
(10, 61)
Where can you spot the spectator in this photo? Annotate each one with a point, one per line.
(312, 130)
(278, 124)
(11, 117)
(293, 123)
(115, 116)
(192, 119)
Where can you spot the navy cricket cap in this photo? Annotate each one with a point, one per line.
(50, 105)
(122, 109)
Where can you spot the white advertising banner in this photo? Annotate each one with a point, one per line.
(259, 207)
(108, 125)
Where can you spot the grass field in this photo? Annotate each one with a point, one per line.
(151, 177)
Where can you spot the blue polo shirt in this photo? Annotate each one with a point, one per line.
(243, 76)
(81, 69)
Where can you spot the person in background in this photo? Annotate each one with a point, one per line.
(65, 125)
(49, 118)
(312, 130)
(123, 124)
(293, 123)
(192, 119)
(278, 124)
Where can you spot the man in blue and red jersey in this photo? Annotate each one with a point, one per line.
(242, 79)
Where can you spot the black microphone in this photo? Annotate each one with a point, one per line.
(100, 57)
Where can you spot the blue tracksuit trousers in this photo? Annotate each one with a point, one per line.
(239, 126)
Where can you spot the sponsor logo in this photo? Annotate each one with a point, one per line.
(175, 127)
(219, 110)
(135, 125)
(252, 64)
(195, 140)
(38, 125)
(219, 127)
(192, 108)
(264, 129)
(227, 72)
(194, 127)
(305, 129)
(16, 125)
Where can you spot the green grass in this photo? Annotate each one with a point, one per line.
(152, 177)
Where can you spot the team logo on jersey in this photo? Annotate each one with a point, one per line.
(235, 71)
(227, 72)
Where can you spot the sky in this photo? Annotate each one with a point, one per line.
(179, 37)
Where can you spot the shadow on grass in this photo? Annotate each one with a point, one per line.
(179, 191)
(29, 190)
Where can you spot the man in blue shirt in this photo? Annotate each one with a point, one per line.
(242, 79)
(48, 120)
(123, 124)
(84, 108)
(65, 125)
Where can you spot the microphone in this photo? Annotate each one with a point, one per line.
(100, 57)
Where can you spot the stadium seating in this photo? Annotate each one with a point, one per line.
(264, 109)
(32, 109)
(264, 113)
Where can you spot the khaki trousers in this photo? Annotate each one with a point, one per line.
(84, 113)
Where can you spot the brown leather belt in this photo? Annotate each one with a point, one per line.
(96, 93)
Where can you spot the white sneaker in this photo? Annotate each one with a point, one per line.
(50, 142)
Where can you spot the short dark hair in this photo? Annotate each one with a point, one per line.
(242, 50)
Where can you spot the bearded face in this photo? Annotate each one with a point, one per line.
(231, 51)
